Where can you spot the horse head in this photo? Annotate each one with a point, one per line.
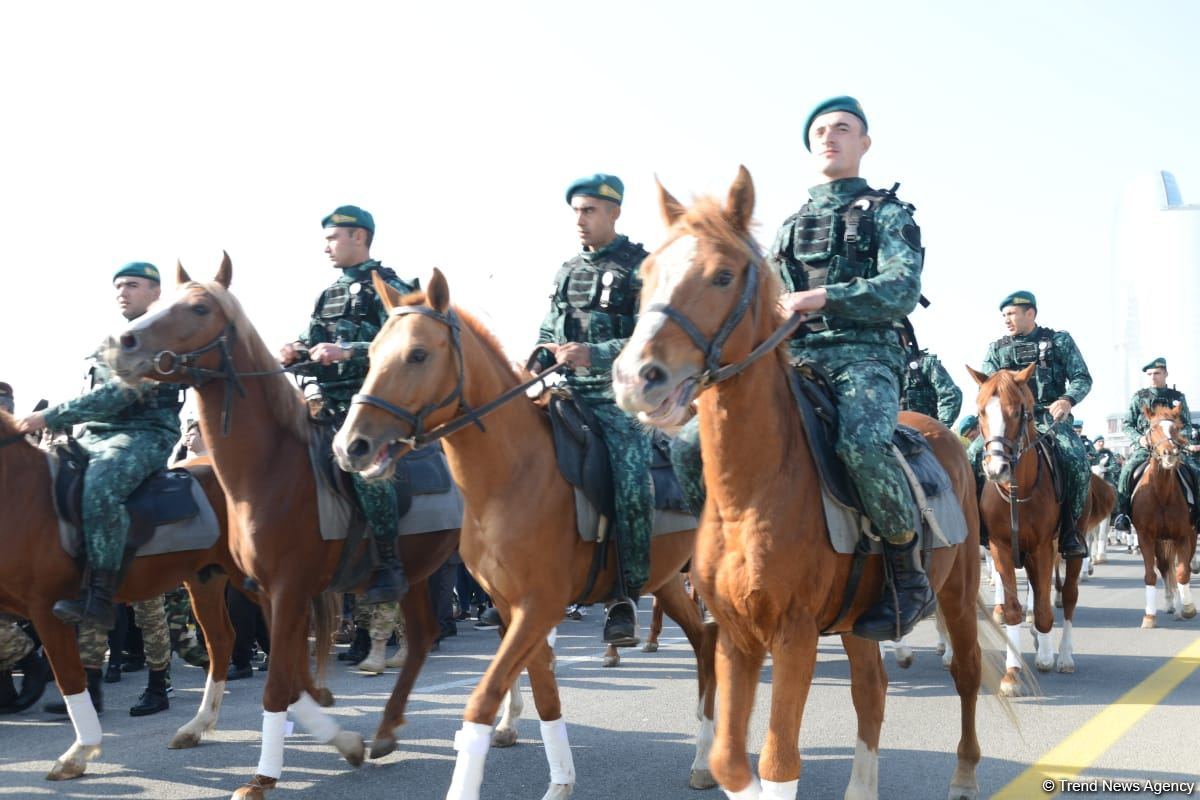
(1006, 408)
(705, 295)
(181, 337)
(415, 381)
(1165, 435)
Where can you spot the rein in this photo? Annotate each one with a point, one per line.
(419, 437)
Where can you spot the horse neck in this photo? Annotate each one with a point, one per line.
(1026, 469)
(24, 482)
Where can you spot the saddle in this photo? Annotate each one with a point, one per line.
(165, 497)
(1187, 480)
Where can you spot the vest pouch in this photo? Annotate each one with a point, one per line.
(841, 270)
(583, 288)
(814, 238)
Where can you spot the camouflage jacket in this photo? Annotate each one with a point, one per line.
(351, 314)
(1061, 370)
(594, 300)
(871, 275)
(110, 406)
(928, 389)
(1135, 423)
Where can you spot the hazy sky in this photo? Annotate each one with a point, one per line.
(151, 131)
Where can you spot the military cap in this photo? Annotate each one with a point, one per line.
(6, 389)
(968, 422)
(842, 103)
(1077, 424)
(1021, 298)
(606, 187)
(1098, 439)
(1158, 363)
(139, 269)
(349, 217)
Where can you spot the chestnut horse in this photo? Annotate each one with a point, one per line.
(519, 530)
(203, 336)
(36, 571)
(1162, 519)
(764, 563)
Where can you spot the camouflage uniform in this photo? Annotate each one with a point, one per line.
(928, 389)
(594, 300)
(93, 644)
(1061, 372)
(15, 644)
(151, 616)
(1135, 426)
(349, 313)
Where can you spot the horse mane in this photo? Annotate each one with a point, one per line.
(285, 400)
(490, 343)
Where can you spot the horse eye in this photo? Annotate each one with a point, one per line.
(200, 311)
(723, 278)
(417, 356)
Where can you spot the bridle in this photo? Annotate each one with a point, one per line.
(1164, 447)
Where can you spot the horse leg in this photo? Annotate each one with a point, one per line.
(945, 646)
(1010, 684)
(868, 689)
(737, 678)
(62, 650)
(1070, 595)
(674, 600)
(612, 658)
(1184, 553)
(1038, 568)
(956, 612)
(420, 630)
(208, 604)
(553, 726)
(903, 653)
(1150, 617)
(656, 625)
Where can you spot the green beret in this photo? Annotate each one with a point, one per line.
(349, 217)
(606, 187)
(1158, 363)
(968, 422)
(843, 103)
(1098, 439)
(139, 269)
(1021, 298)
(1077, 424)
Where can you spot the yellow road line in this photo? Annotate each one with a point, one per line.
(1080, 749)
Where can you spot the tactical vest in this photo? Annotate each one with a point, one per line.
(1050, 377)
(918, 394)
(597, 299)
(350, 312)
(820, 248)
(1152, 398)
(159, 396)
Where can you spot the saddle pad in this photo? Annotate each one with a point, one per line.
(587, 520)
(198, 533)
(1136, 480)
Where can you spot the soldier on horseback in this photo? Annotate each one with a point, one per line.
(593, 310)
(1136, 425)
(928, 389)
(346, 318)
(1106, 459)
(1060, 383)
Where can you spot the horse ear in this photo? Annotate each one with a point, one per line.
(181, 276)
(437, 296)
(671, 208)
(979, 377)
(385, 291)
(225, 271)
(739, 206)
(1024, 375)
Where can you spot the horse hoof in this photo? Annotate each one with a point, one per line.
(1009, 689)
(611, 661)
(941, 648)
(1189, 611)
(1101, 558)
(904, 661)
(998, 615)
(701, 779)
(383, 747)
(350, 745)
(1043, 666)
(324, 697)
(1057, 604)
(66, 770)
(1066, 667)
(963, 793)
(256, 789)
(650, 647)
(1149, 621)
(184, 740)
(558, 791)
(504, 737)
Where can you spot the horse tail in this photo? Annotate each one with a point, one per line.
(993, 650)
(326, 607)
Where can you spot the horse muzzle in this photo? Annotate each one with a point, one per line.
(647, 389)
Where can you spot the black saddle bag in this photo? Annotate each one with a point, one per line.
(581, 451)
(668, 495)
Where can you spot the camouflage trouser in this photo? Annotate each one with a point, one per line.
(378, 502)
(15, 644)
(118, 463)
(382, 619)
(178, 607)
(1072, 459)
(688, 465)
(93, 644)
(151, 616)
(629, 455)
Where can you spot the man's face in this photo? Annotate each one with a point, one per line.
(134, 295)
(346, 247)
(838, 144)
(595, 220)
(1158, 377)
(1098, 445)
(194, 441)
(1019, 319)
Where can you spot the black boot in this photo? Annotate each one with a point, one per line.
(620, 627)
(907, 597)
(154, 699)
(388, 583)
(359, 648)
(94, 684)
(112, 673)
(96, 603)
(1070, 544)
(36, 672)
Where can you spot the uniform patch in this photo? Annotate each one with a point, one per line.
(609, 191)
(340, 218)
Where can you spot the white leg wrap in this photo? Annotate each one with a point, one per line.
(270, 759)
(558, 752)
(472, 743)
(1151, 600)
(1013, 657)
(552, 637)
(864, 774)
(779, 791)
(1185, 594)
(319, 724)
(751, 792)
(704, 743)
(83, 717)
(999, 596)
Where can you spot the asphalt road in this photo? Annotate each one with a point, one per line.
(632, 727)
